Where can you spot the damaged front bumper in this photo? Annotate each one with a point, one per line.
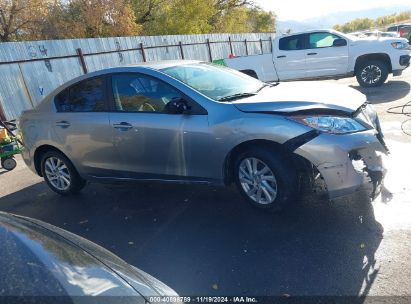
(349, 162)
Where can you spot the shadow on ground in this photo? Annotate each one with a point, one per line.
(206, 241)
(390, 91)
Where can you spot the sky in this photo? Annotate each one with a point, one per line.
(305, 9)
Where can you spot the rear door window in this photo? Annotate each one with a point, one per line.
(86, 96)
(292, 43)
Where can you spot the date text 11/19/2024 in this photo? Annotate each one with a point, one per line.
(239, 299)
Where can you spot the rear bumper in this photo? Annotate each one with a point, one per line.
(347, 163)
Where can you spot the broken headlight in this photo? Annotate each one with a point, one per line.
(330, 124)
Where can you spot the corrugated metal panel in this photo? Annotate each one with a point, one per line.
(24, 84)
(14, 96)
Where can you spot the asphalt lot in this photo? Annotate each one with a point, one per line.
(207, 241)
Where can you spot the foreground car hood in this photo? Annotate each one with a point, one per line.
(71, 265)
(290, 97)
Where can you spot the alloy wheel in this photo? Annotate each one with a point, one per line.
(57, 173)
(371, 74)
(258, 181)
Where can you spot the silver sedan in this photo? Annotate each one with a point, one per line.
(194, 122)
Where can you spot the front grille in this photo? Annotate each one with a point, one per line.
(405, 60)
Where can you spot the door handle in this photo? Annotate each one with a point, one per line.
(312, 54)
(63, 124)
(124, 126)
(281, 56)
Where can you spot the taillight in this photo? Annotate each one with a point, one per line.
(402, 32)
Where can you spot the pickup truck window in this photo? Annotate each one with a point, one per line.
(292, 43)
(321, 40)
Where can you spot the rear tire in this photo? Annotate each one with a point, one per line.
(372, 73)
(265, 178)
(60, 174)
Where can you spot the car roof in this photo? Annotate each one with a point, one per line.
(159, 65)
(400, 24)
(162, 64)
(312, 31)
(156, 65)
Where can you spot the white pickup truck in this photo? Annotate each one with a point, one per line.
(327, 54)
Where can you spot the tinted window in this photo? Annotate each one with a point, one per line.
(392, 29)
(140, 93)
(86, 96)
(292, 43)
(321, 40)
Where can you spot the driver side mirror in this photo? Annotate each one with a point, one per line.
(177, 105)
(340, 42)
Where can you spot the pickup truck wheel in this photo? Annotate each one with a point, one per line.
(265, 178)
(372, 73)
(60, 174)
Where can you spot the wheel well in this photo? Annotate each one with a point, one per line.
(38, 155)
(377, 56)
(302, 165)
(251, 73)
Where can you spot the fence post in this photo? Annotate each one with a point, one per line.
(246, 47)
(209, 50)
(181, 50)
(143, 53)
(82, 61)
(2, 115)
(261, 46)
(271, 45)
(231, 45)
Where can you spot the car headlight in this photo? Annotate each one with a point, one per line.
(330, 124)
(400, 45)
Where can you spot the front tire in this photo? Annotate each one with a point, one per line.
(266, 179)
(372, 73)
(60, 174)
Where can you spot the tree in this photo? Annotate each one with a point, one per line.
(366, 23)
(145, 10)
(59, 19)
(181, 17)
(202, 16)
(260, 20)
(91, 18)
(19, 19)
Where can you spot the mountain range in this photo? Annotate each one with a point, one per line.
(330, 20)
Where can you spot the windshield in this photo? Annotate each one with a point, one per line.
(215, 81)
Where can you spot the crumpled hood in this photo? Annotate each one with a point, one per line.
(302, 96)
